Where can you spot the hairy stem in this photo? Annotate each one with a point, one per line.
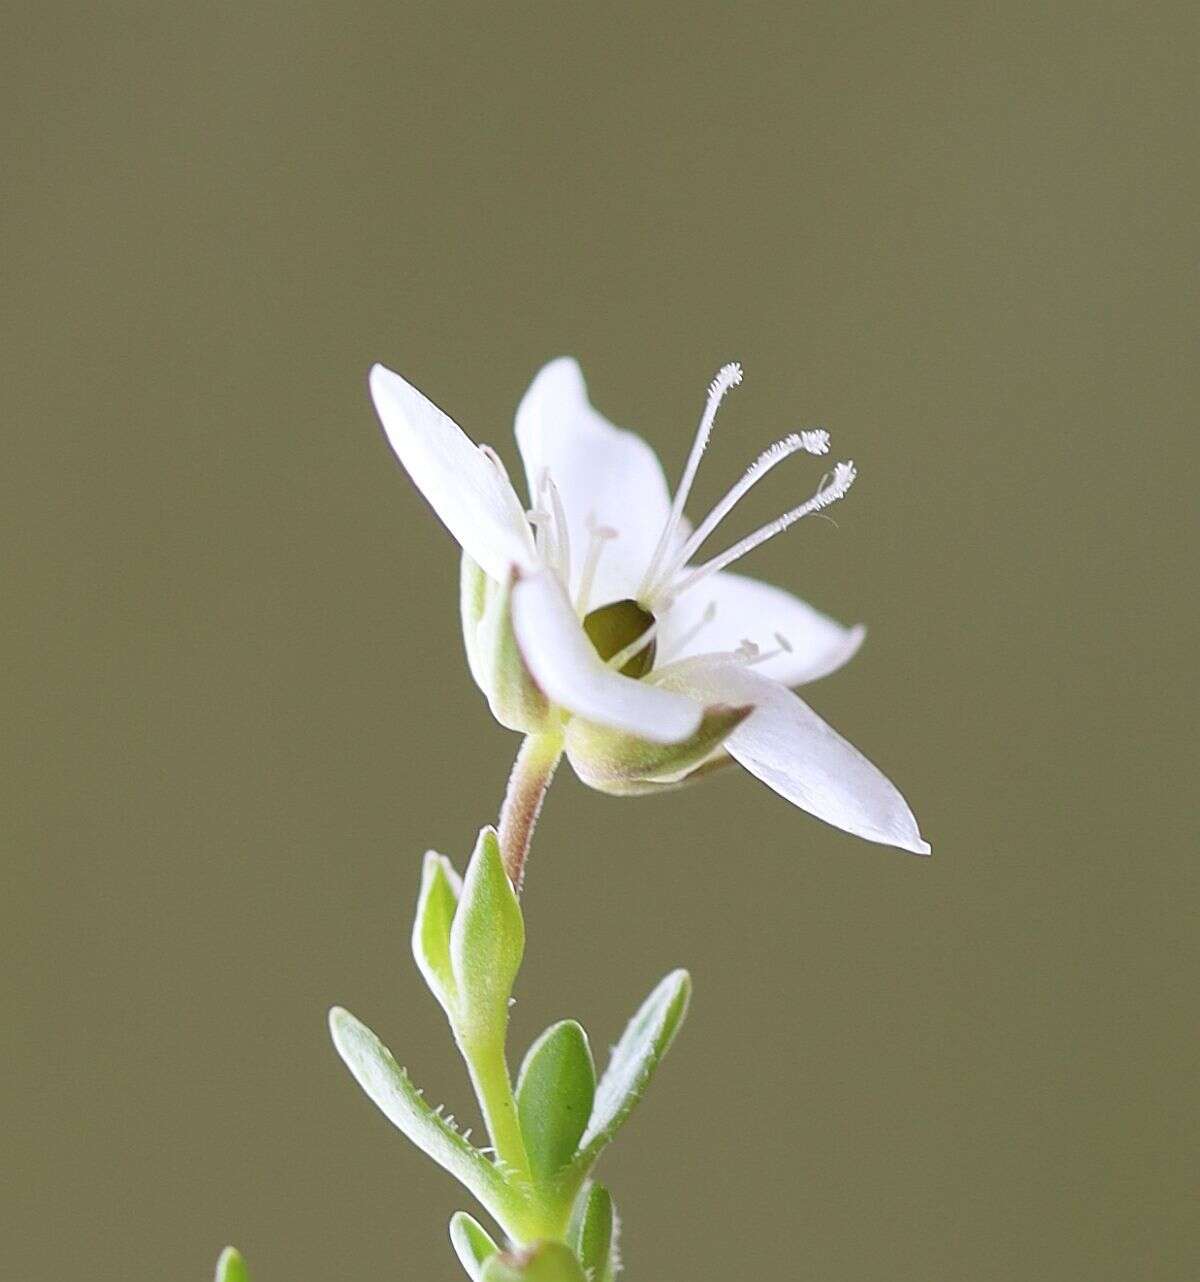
(531, 775)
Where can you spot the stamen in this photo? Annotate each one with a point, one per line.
(539, 519)
(553, 541)
(598, 536)
(815, 441)
(710, 613)
(635, 647)
(510, 494)
(562, 531)
(727, 376)
(496, 461)
(749, 655)
(832, 489)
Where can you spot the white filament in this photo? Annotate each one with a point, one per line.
(636, 646)
(681, 643)
(727, 376)
(815, 441)
(832, 488)
(598, 536)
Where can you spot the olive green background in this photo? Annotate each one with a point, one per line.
(959, 236)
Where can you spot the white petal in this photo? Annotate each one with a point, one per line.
(601, 471)
(464, 487)
(562, 661)
(747, 609)
(785, 744)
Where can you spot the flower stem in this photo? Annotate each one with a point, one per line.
(531, 775)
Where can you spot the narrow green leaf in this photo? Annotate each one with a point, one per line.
(389, 1086)
(545, 1262)
(472, 1244)
(440, 888)
(634, 1061)
(592, 1230)
(231, 1267)
(487, 941)
(555, 1091)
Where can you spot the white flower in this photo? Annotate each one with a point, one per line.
(658, 666)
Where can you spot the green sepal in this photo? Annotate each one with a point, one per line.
(231, 1267)
(593, 1231)
(473, 590)
(487, 942)
(436, 904)
(645, 1041)
(545, 1262)
(616, 762)
(555, 1092)
(493, 656)
(392, 1091)
(472, 1244)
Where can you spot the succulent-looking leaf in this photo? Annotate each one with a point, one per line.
(591, 1232)
(472, 1244)
(389, 1086)
(634, 1060)
(440, 888)
(231, 1267)
(487, 941)
(545, 1262)
(555, 1091)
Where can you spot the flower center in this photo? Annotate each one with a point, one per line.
(623, 631)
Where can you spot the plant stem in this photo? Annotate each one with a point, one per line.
(531, 775)
(493, 1088)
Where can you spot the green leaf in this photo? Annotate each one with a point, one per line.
(472, 1244)
(545, 1262)
(593, 1230)
(389, 1086)
(231, 1267)
(487, 941)
(555, 1091)
(634, 1061)
(440, 888)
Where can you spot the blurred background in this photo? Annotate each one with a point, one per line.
(959, 236)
